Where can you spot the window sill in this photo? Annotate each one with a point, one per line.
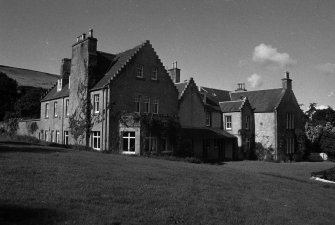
(128, 153)
(140, 78)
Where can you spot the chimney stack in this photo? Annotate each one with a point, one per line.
(287, 82)
(175, 73)
(90, 33)
(241, 87)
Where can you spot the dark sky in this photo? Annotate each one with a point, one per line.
(219, 43)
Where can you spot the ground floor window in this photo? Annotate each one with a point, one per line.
(57, 136)
(150, 144)
(46, 135)
(96, 140)
(290, 145)
(128, 141)
(66, 137)
(52, 136)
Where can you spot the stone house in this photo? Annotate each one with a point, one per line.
(238, 119)
(278, 118)
(202, 134)
(97, 90)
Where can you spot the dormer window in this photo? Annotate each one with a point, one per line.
(154, 73)
(59, 85)
(139, 71)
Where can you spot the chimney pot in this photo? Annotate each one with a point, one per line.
(287, 75)
(90, 33)
(84, 36)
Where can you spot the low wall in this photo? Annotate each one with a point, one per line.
(29, 127)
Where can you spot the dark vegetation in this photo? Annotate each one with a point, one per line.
(328, 174)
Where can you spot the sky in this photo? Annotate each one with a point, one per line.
(218, 43)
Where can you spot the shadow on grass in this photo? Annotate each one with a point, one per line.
(26, 147)
(14, 214)
(284, 177)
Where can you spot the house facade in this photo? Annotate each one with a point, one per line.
(201, 124)
(97, 90)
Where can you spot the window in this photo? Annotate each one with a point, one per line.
(247, 122)
(55, 109)
(128, 139)
(146, 103)
(66, 137)
(150, 144)
(46, 135)
(52, 136)
(290, 145)
(59, 85)
(208, 118)
(137, 101)
(46, 110)
(228, 122)
(155, 105)
(248, 143)
(96, 140)
(96, 103)
(289, 121)
(57, 136)
(67, 107)
(139, 71)
(154, 73)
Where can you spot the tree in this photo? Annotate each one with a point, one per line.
(8, 95)
(29, 104)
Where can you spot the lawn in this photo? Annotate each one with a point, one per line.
(49, 185)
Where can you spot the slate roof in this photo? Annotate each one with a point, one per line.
(181, 87)
(231, 106)
(262, 100)
(30, 78)
(216, 95)
(206, 132)
(117, 63)
(54, 94)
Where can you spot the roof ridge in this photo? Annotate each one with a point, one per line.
(30, 70)
(255, 90)
(214, 88)
(232, 101)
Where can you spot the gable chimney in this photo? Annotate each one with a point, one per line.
(287, 82)
(175, 73)
(241, 87)
(65, 70)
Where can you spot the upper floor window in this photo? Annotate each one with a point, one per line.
(228, 122)
(208, 118)
(289, 121)
(146, 103)
(96, 103)
(154, 73)
(155, 105)
(55, 109)
(59, 85)
(247, 122)
(139, 71)
(47, 110)
(67, 107)
(137, 101)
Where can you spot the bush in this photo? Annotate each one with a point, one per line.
(193, 160)
(262, 153)
(25, 139)
(315, 157)
(326, 174)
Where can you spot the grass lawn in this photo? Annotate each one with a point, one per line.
(49, 185)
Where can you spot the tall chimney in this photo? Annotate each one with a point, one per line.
(287, 82)
(175, 73)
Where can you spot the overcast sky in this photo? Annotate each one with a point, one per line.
(218, 43)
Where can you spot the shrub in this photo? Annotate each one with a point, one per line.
(315, 157)
(193, 160)
(25, 139)
(262, 153)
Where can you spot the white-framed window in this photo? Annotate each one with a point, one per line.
(137, 101)
(57, 136)
(154, 73)
(66, 137)
(67, 107)
(96, 103)
(289, 121)
(208, 118)
(46, 135)
(139, 71)
(247, 122)
(128, 141)
(290, 145)
(59, 85)
(52, 136)
(228, 122)
(155, 105)
(146, 104)
(96, 140)
(47, 109)
(55, 109)
(151, 144)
